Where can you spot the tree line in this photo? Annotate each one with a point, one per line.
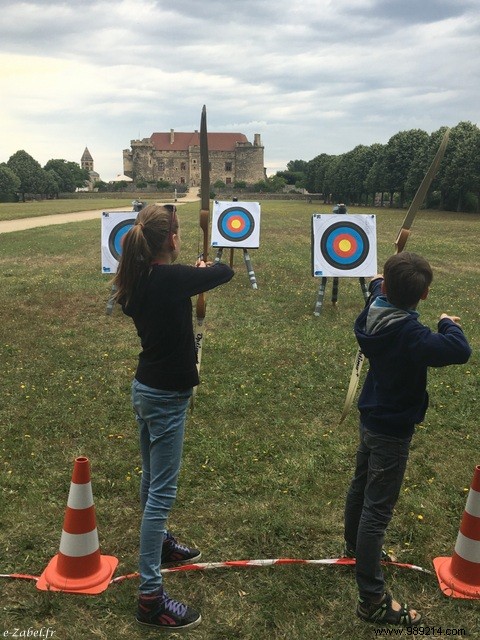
(391, 173)
(23, 175)
(367, 175)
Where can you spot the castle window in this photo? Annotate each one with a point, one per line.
(161, 165)
(228, 166)
(183, 166)
(228, 181)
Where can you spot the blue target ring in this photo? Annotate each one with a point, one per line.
(236, 224)
(117, 235)
(345, 245)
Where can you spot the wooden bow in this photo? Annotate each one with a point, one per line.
(400, 243)
(201, 308)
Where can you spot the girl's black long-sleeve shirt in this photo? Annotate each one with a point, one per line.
(161, 309)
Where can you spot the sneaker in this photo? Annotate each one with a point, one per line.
(348, 552)
(174, 553)
(161, 612)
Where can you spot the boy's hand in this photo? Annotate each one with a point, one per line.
(455, 319)
(201, 263)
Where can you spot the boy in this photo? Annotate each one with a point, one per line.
(393, 400)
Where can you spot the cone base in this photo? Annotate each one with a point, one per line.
(451, 586)
(52, 580)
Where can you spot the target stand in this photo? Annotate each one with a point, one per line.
(322, 289)
(236, 225)
(343, 247)
(246, 259)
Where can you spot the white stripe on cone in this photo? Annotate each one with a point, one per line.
(80, 496)
(77, 545)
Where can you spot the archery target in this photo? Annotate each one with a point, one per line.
(236, 224)
(114, 227)
(344, 245)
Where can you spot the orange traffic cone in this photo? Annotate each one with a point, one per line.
(79, 567)
(459, 576)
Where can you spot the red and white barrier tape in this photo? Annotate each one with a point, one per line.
(240, 564)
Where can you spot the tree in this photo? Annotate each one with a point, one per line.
(376, 181)
(9, 181)
(70, 174)
(399, 155)
(101, 186)
(32, 176)
(51, 183)
(297, 166)
(316, 173)
(460, 174)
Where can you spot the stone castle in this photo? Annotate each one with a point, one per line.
(175, 158)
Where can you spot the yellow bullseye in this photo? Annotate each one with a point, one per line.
(236, 224)
(345, 245)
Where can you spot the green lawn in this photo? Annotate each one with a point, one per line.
(33, 209)
(266, 465)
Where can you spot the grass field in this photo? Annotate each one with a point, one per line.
(33, 209)
(265, 466)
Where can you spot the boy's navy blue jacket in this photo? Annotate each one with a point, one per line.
(400, 349)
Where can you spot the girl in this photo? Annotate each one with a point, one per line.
(156, 294)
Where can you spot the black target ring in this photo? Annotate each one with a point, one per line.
(236, 224)
(117, 235)
(345, 245)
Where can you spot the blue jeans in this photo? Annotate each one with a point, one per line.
(380, 467)
(161, 419)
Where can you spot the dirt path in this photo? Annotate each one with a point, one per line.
(7, 226)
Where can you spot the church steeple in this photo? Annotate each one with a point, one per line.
(87, 161)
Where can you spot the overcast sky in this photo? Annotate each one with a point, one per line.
(310, 76)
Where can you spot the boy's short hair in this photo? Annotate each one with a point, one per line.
(407, 276)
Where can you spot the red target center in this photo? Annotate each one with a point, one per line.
(345, 245)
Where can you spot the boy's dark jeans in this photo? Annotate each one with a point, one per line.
(371, 498)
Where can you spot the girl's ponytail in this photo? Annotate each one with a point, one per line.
(143, 242)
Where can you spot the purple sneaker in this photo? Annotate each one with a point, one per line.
(161, 612)
(174, 553)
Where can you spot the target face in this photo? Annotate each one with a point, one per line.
(236, 225)
(114, 227)
(344, 245)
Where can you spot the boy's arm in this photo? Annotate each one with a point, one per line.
(448, 346)
(375, 287)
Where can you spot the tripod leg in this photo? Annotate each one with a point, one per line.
(364, 288)
(111, 301)
(218, 257)
(335, 291)
(250, 271)
(321, 294)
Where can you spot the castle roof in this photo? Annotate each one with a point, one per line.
(179, 141)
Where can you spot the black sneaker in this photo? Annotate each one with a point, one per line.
(161, 612)
(174, 553)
